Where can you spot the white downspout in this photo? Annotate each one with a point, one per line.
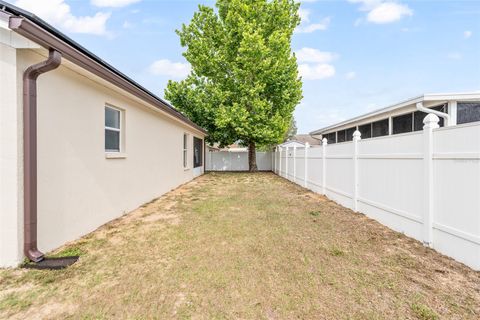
(443, 115)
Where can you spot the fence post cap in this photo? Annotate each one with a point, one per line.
(324, 141)
(431, 121)
(307, 145)
(357, 135)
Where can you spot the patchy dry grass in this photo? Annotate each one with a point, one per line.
(244, 246)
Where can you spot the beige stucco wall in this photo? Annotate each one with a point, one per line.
(11, 183)
(79, 188)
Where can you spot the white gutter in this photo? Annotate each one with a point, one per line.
(443, 115)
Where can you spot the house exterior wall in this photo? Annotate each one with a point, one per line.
(80, 187)
(11, 201)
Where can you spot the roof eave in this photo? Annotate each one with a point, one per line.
(425, 97)
(371, 114)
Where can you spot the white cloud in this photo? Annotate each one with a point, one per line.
(314, 55)
(315, 63)
(350, 75)
(304, 15)
(382, 11)
(389, 12)
(58, 13)
(308, 28)
(316, 71)
(113, 3)
(367, 5)
(165, 67)
(467, 34)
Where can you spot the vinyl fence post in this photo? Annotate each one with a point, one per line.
(356, 137)
(275, 160)
(429, 123)
(286, 163)
(280, 160)
(209, 167)
(324, 165)
(305, 178)
(294, 163)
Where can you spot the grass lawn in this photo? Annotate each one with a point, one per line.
(250, 246)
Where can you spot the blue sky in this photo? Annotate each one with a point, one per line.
(354, 55)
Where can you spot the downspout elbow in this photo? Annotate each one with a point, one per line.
(53, 61)
(30, 151)
(443, 115)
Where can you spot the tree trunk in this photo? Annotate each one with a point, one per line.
(252, 157)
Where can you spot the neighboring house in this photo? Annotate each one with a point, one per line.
(303, 138)
(291, 144)
(91, 145)
(405, 117)
(231, 148)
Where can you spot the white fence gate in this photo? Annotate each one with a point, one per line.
(425, 184)
(237, 161)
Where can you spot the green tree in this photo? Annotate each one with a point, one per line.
(244, 84)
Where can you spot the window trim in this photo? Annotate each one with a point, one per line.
(111, 153)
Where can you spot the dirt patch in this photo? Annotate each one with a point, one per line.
(171, 218)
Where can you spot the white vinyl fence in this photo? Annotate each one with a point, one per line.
(236, 161)
(425, 184)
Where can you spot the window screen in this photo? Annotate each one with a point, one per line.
(365, 130)
(197, 152)
(468, 112)
(402, 124)
(349, 132)
(418, 117)
(112, 129)
(341, 136)
(331, 137)
(380, 128)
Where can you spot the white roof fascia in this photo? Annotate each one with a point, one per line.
(452, 96)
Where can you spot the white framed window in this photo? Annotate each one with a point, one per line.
(113, 129)
(185, 150)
